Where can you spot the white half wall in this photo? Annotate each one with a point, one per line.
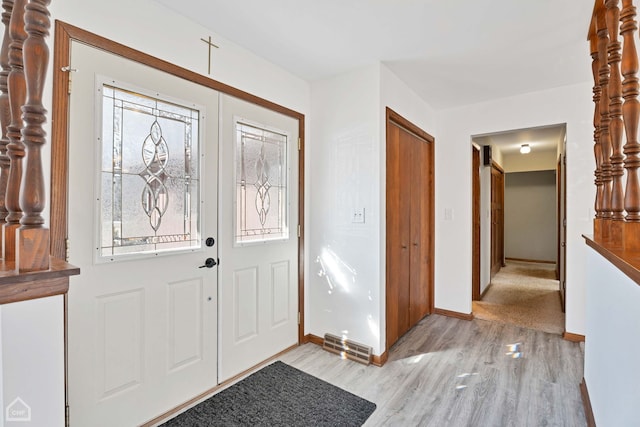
(611, 368)
(569, 104)
(32, 347)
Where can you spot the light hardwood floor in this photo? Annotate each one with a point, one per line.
(450, 372)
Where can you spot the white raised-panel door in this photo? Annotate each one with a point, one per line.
(258, 217)
(142, 327)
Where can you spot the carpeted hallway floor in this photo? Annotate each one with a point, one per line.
(524, 294)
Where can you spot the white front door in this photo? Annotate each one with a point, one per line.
(258, 214)
(142, 200)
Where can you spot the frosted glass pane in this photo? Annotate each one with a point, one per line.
(261, 184)
(150, 174)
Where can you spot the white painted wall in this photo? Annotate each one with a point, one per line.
(571, 105)
(530, 227)
(33, 359)
(344, 286)
(534, 161)
(611, 366)
(2, 404)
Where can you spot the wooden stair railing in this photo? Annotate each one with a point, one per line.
(617, 109)
(27, 270)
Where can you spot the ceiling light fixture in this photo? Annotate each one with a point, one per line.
(525, 149)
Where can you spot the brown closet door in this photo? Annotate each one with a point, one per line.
(409, 239)
(419, 245)
(398, 233)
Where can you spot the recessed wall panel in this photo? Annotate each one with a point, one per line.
(184, 323)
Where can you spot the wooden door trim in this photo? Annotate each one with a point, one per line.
(559, 215)
(392, 116)
(500, 171)
(396, 119)
(476, 227)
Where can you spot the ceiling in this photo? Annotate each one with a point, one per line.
(450, 52)
(540, 139)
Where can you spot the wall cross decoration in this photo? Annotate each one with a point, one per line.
(210, 45)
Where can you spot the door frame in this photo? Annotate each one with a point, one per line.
(476, 246)
(497, 250)
(66, 33)
(561, 263)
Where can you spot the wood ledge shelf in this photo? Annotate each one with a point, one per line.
(15, 287)
(626, 261)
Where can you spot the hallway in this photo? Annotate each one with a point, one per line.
(523, 294)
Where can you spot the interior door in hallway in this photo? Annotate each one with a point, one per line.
(258, 292)
(497, 218)
(142, 198)
(409, 222)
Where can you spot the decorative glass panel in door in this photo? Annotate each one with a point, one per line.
(150, 175)
(261, 183)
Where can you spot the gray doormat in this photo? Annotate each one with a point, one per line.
(278, 395)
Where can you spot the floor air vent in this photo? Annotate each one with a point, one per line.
(347, 348)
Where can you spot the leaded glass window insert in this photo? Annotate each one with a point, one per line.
(150, 186)
(261, 184)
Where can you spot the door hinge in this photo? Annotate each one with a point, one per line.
(66, 416)
(299, 317)
(299, 144)
(66, 249)
(68, 69)
(299, 231)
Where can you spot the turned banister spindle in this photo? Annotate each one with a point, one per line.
(33, 245)
(630, 109)
(615, 111)
(5, 111)
(605, 137)
(597, 150)
(15, 148)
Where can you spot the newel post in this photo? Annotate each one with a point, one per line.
(33, 238)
